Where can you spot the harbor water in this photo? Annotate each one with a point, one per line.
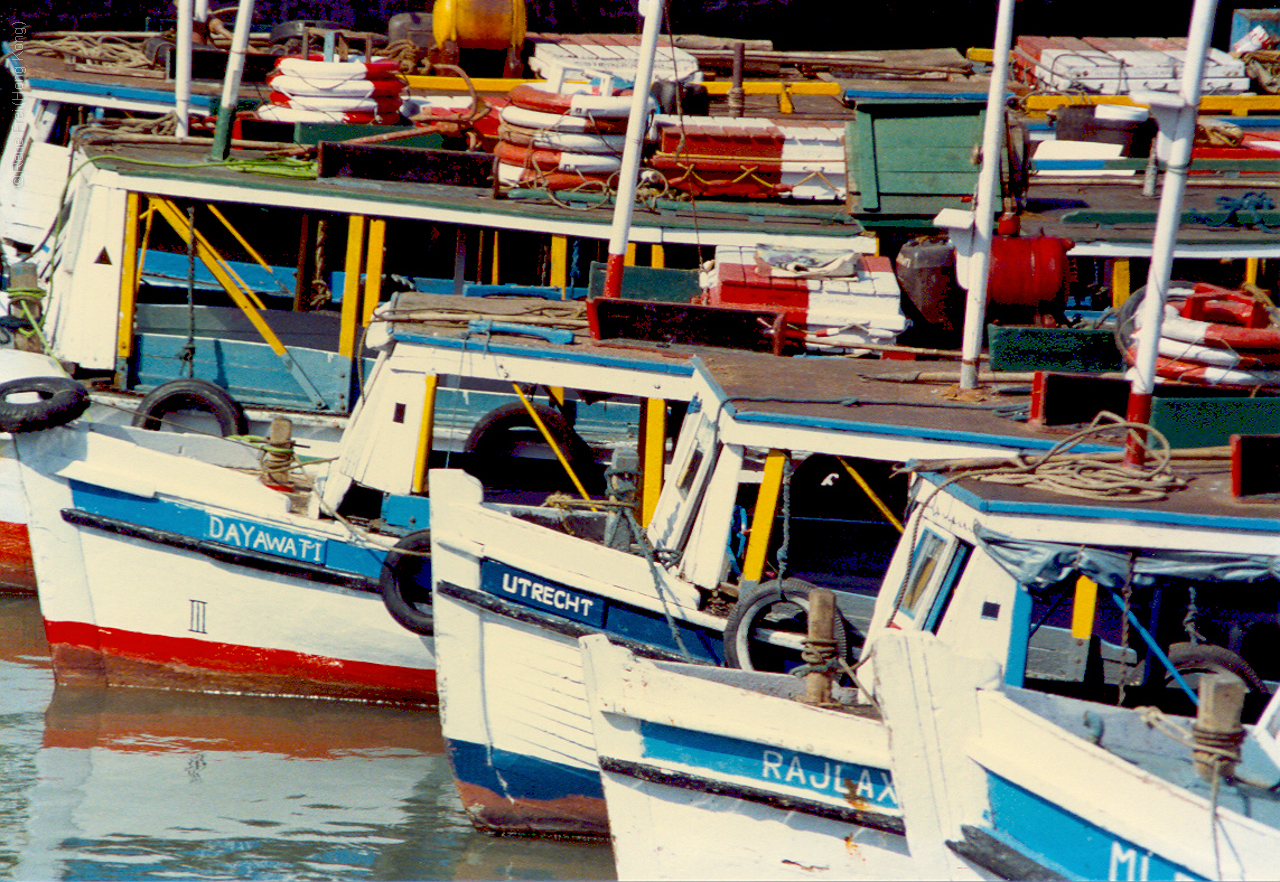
(133, 784)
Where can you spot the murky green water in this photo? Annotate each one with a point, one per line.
(141, 784)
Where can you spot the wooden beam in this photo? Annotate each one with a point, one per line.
(129, 266)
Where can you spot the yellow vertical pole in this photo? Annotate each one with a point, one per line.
(426, 432)
(630, 259)
(351, 285)
(1251, 271)
(495, 275)
(653, 454)
(128, 277)
(559, 263)
(1121, 284)
(1086, 601)
(373, 268)
(659, 258)
(762, 519)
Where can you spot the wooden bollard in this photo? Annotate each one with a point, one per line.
(820, 645)
(1217, 731)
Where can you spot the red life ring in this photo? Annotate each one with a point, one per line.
(556, 160)
(280, 113)
(1207, 375)
(315, 67)
(530, 97)
(1222, 319)
(359, 88)
(507, 175)
(551, 139)
(338, 103)
(537, 119)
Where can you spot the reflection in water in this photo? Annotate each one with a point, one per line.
(141, 784)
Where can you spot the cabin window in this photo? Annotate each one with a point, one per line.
(925, 561)
(955, 569)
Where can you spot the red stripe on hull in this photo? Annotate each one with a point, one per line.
(17, 575)
(85, 654)
(571, 816)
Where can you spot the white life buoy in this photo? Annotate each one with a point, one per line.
(536, 119)
(338, 103)
(530, 97)
(359, 88)
(317, 69)
(572, 142)
(557, 160)
(280, 113)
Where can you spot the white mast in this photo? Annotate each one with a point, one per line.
(620, 232)
(975, 313)
(1177, 118)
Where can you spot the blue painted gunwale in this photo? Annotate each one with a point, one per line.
(923, 433)
(1074, 846)
(724, 761)
(639, 629)
(485, 344)
(518, 776)
(1106, 512)
(195, 526)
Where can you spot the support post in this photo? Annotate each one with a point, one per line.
(975, 314)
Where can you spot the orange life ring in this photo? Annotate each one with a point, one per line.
(556, 160)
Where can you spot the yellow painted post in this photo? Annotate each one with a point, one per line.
(630, 259)
(495, 275)
(872, 495)
(559, 277)
(373, 268)
(128, 277)
(1251, 271)
(762, 520)
(551, 442)
(653, 454)
(1121, 283)
(351, 286)
(1086, 601)
(426, 432)
(658, 256)
(785, 104)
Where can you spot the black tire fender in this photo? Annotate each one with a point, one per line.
(487, 438)
(62, 399)
(1206, 657)
(406, 572)
(191, 393)
(755, 603)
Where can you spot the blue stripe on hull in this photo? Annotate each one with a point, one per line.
(1068, 843)
(509, 793)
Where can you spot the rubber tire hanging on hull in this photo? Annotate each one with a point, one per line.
(756, 603)
(62, 399)
(402, 576)
(191, 394)
(491, 442)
